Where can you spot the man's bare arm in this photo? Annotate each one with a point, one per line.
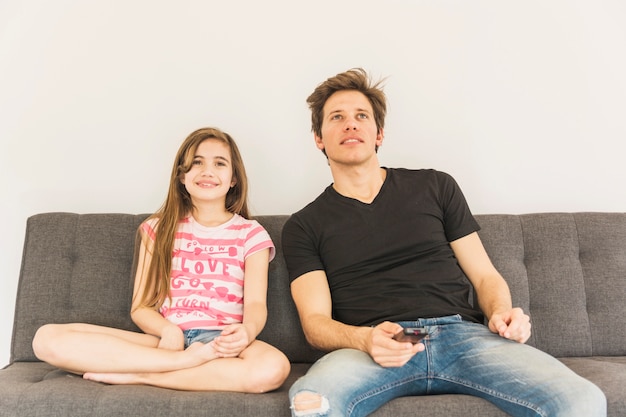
(312, 297)
(492, 291)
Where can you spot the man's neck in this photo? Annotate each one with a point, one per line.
(362, 183)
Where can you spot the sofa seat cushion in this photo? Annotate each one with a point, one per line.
(44, 390)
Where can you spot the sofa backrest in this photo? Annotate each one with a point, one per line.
(567, 270)
(75, 268)
(79, 268)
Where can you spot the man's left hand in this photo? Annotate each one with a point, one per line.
(513, 324)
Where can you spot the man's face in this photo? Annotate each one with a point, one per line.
(349, 133)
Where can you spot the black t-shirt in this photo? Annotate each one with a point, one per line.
(391, 259)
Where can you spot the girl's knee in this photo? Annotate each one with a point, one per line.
(43, 341)
(269, 375)
(48, 340)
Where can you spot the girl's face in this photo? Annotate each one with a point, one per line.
(211, 174)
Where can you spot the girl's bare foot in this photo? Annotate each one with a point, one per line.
(201, 352)
(196, 354)
(113, 378)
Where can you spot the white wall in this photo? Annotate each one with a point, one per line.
(522, 101)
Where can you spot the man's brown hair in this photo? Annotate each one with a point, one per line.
(354, 79)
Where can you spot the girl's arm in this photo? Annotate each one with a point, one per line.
(236, 337)
(149, 319)
(255, 292)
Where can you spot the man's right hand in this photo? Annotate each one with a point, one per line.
(388, 352)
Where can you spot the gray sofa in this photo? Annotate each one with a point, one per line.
(568, 270)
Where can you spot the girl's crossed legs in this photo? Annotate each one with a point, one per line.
(118, 356)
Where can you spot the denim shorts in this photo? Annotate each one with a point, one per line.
(199, 335)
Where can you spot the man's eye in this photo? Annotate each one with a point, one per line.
(335, 117)
(362, 116)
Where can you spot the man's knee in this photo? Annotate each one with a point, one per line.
(595, 399)
(307, 403)
(584, 399)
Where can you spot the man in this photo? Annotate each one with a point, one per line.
(384, 249)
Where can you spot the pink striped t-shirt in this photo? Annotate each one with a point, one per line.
(207, 277)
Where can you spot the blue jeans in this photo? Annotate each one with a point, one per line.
(199, 335)
(460, 358)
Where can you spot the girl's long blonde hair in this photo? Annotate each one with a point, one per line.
(177, 205)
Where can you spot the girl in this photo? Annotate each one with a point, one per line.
(199, 294)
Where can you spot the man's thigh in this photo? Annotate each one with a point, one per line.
(467, 358)
(350, 383)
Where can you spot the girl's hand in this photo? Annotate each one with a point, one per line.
(172, 338)
(232, 341)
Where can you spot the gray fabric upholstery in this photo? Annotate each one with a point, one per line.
(568, 270)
